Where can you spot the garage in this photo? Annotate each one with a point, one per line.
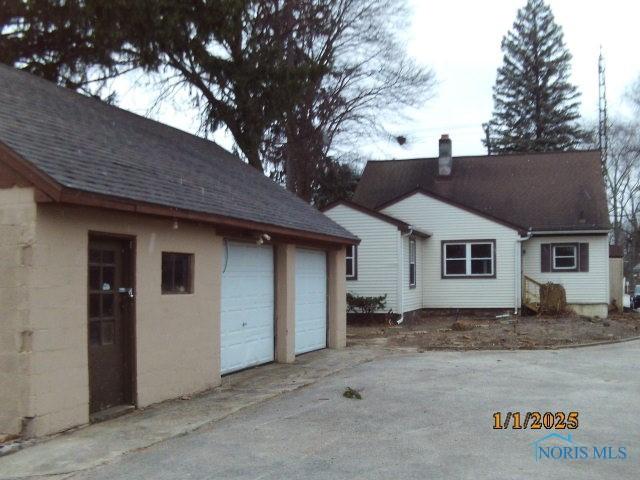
(247, 306)
(311, 300)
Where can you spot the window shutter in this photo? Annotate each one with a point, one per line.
(545, 257)
(584, 257)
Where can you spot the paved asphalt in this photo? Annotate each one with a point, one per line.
(422, 416)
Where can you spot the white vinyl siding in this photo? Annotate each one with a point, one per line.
(581, 287)
(377, 254)
(412, 297)
(447, 222)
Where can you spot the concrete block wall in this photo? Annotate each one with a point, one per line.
(17, 232)
(44, 374)
(177, 336)
(337, 308)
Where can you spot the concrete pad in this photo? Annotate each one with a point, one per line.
(100, 443)
(422, 416)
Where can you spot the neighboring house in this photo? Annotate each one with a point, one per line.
(138, 263)
(463, 232)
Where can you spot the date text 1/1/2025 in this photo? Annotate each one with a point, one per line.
(536, 420)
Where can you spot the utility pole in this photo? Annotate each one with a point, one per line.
(603, 140)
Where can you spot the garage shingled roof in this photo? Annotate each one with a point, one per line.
(87, 145)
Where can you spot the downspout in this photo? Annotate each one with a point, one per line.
(517, 277)
(401, 269)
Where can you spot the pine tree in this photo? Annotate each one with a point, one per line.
(535, 105)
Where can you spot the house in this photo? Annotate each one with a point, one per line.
(477, 232)
(139, 263)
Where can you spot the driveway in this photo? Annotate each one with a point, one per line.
(422, 416)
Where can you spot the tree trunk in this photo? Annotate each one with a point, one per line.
(253, 157)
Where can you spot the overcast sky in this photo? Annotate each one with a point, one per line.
(460, 41)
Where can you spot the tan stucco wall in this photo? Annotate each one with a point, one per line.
(44, 386)
(337, 308)
(285, 303)
(177, 336)
(17, 231)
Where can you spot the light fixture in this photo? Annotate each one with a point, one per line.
(175, 224)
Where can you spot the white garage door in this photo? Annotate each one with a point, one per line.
(311, 300)
(247, 312)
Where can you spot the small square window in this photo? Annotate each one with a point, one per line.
(565, 257)
(177, 273)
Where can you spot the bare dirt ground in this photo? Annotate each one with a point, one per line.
(437, 332)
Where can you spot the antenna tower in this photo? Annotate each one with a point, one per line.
(603, 134)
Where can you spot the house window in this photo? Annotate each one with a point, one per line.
(412, 262)
(352, 262)
(565, 257)
(472, 258)
(177, 273)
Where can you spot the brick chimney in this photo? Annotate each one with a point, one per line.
(444, 157)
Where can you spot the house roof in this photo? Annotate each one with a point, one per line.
(540, 191)
(402, 226)
(77, 143)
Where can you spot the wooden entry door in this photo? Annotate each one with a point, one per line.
(110, 323)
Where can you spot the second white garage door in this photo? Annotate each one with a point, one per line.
(247, 311)
(311, 300)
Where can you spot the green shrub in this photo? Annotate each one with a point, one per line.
(366, 305)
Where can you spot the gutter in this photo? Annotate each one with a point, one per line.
(517, 277)
(568, 232)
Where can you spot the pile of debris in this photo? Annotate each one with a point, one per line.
(553, 299)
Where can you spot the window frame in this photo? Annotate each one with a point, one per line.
(354, 262)
(468, 259)
(412, 263)
(576, 257)
(189, 274)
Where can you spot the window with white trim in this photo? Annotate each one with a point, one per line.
(352, 262)
(565, 257)
(468, 259)
(412, 262)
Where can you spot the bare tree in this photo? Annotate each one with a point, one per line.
(621, 173)
(362, 75)
(634, 95)
(622, 176)
(287, 78)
